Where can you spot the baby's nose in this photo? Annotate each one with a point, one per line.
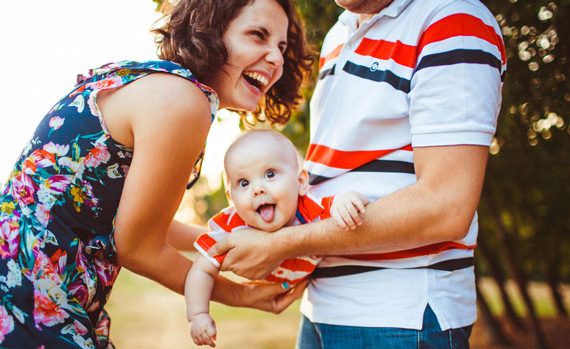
(258, 190)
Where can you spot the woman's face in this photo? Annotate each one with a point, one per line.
(256, 40)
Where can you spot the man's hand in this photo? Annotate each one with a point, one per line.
(348, 208)
(249, 253)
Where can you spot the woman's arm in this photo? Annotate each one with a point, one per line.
(168, 118)
(182, 236)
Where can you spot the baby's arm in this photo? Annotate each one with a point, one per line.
(347, 209)
(197, 291)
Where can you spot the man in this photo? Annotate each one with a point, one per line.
(404, 111)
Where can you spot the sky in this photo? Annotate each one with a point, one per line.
(45, 44)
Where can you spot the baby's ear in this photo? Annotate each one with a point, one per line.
(303, 182)
(226, 184)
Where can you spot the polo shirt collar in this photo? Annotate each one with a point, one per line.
(393, 10)
(309, 207)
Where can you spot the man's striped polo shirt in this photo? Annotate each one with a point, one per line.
(420, 73)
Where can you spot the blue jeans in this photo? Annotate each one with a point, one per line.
(323, 336)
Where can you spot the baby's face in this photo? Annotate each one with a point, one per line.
(264, 184)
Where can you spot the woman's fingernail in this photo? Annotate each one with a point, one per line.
(285, 285)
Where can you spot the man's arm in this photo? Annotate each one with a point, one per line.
(439, 207)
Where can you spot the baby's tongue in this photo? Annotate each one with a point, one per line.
(267, 212)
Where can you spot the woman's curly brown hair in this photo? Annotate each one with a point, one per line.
(192, 36)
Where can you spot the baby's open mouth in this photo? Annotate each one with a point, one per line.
(267, 212)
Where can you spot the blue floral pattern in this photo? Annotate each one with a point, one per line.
(57, 255)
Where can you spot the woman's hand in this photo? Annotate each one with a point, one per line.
(251, 253)
(271, 297)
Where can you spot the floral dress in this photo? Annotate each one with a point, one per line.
(57, 256)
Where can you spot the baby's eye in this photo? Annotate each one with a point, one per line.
(243, 183)
(269, 174)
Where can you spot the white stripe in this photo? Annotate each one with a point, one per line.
(205, 254)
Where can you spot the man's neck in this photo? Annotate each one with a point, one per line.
(363, 17)
(370, 9)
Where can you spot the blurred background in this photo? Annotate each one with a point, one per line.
(523, 254)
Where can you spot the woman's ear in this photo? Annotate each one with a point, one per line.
(303, 182)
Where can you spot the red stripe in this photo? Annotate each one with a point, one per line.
(333, 54)
(298, 265)
(415, 252)
(276, 279)
(399, 52)
(461, 24)
(346, 159)
(206, 242)
(223, 220)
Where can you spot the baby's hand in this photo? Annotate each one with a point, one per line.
(348, 208)
(203, 330)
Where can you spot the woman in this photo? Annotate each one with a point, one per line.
(70, 216)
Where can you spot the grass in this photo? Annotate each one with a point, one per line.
(539, 292)
(146, 315)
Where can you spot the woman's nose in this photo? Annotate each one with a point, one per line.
(275, 56)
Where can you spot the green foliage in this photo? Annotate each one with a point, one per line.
(158, 4)
(527, 177)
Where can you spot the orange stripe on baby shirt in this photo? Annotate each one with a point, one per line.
(343, 159)
(206, 242)
(333, 54)
(399, 52)
(461, 24)
(297, 265)
(227, 221)
(415, 252)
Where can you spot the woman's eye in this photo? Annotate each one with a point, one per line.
(258, 34)
(269, 174)
(243, 183)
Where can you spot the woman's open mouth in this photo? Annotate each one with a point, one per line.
(256, 80)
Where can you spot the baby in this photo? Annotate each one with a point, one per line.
(268, 191)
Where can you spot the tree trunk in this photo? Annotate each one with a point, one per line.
(493, 325)
(493, 262)
(553, 280)
(519, 277)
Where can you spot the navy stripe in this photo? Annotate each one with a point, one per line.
(386, 166)
(315, 179)
(300, 217)
(323, 74)
(343, 270)
(459, 56)
(378, 75)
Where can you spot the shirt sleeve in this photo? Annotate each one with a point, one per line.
(455, 91)
(203, 243)
(206, 240)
